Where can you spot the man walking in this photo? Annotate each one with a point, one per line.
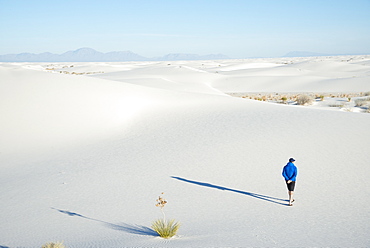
(290, 174)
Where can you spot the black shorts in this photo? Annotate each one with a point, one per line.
(290, 185)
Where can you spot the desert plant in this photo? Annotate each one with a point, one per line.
(347, 108)
(336, 105)
(53, 245)
(165, 229)
(362, 102)
(304, 100)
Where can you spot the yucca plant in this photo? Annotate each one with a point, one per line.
(53, 245)
(165, 229)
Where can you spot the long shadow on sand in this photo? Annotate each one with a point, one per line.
(133, 229)
(258, 196)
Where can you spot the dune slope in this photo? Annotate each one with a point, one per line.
(84, 158)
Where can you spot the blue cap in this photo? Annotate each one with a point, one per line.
(291, 160)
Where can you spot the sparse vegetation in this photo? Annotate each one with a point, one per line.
(53, 245)
(56, 68)
(165, 229)
(357, 102)
(350, 102)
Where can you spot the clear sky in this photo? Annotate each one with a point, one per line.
(237, 28)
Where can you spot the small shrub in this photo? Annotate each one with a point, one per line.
(336, 105)
(304, 100)
(53, 245)
(347, 108)
(166, 229)
(362, 102)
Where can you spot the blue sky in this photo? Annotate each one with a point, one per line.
(237, 28)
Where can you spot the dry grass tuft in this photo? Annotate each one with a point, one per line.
(53, 245)
(166, 229)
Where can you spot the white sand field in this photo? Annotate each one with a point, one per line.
(84, 157)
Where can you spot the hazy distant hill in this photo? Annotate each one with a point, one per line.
(313, 54)
(79, 55)
(305, 54)
(91, 55)
(186, 56)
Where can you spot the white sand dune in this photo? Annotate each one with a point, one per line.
(83, 157)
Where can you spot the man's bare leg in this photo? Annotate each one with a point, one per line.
(291, 200)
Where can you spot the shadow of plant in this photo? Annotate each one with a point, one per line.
(133, 229)
(258, 196)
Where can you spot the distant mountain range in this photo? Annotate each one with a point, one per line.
(91, 55)
(305, 54)
(312, 54)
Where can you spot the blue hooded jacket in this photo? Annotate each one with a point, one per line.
(290, 172)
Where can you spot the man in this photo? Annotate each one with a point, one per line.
(290, 174)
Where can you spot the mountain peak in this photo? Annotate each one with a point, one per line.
(85, 50)
(86, 54)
